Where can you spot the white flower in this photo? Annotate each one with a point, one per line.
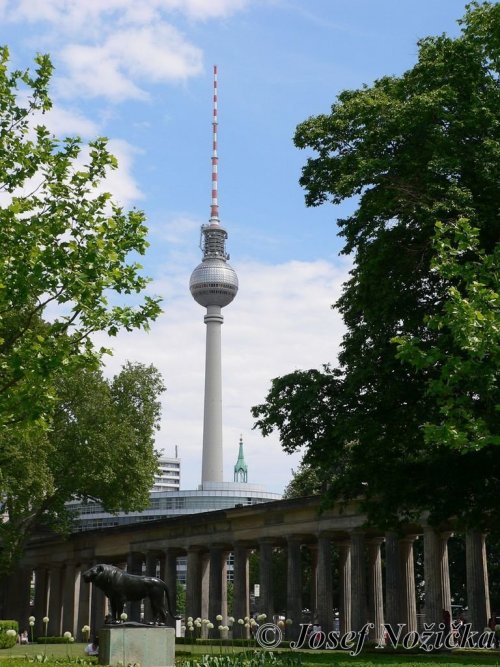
(247, 619)
(247, 625)
(281, 624)
(11, 633)
(218, 617)
(289, 621)
(67, 634)
(230, 619)
(241, 621)
(32, 623)
(197, 620)
(221, 628)
(261, 617)
(71, 639)
(31, 619)
(123, 616)
(190, 619)
(210, 626)
(45, 619)
(86, 628)
(197, 624)
(205, 621)
(183, 628)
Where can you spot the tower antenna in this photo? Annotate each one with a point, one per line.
(214, 208)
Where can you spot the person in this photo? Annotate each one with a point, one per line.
(23, 637)
(93, 647)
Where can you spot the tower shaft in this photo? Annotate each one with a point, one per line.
(211, 470)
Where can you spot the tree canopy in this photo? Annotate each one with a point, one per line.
(100, 446)
(64, 248)
(415, 150)
(68, 269)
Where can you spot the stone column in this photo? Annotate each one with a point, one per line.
(344, 548)
(241, 603)
(17, 596)
(358, 580)
(392, 579)
(134, 566)
(225, 556)
(445, 573)
(324, 586)
(432, 576)
(293, 586)
(205, 583)
(168, 574)
(215, 588)
(478, 596)
(69, 600)
(84, 594)
(408, 594)
(313, 606)
(375, 589)
(193, 583)
(266, 578)
(41, 599)
(151, 571)
(55, 602)
(98, 610)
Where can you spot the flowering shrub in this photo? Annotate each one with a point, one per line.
(8, 633)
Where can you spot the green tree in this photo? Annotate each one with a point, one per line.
(68, 269)
(467, 351)
(64, 246)
(414, 149)
(100, 447)
(305, 482)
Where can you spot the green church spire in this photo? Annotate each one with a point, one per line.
(241, 468)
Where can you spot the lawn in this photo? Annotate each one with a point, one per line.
(57, 654)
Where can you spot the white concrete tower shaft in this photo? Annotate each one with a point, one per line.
(213, 284)
(212, 458)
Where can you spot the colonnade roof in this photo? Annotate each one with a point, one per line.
(277, 522)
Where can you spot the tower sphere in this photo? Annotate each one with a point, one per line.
(213, 283)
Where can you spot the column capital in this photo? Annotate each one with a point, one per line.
(374, 540)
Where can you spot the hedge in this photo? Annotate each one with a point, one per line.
(5, 640)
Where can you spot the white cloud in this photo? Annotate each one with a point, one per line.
(121, 182)
(63, 122)
(75, 14)
(281, 320)
(111, 69)
(114, 48)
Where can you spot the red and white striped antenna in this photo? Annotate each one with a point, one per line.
(214, 209)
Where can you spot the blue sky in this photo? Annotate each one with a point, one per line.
(140, 73)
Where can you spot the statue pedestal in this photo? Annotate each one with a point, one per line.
(151, 646)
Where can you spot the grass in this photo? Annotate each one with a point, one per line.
(57, 651)
(19, 656)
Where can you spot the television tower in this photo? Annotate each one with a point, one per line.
(213, 285)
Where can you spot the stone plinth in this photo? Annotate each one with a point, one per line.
(146, 646)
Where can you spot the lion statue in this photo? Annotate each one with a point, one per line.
(120, 587)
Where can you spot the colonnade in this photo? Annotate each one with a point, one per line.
(376, 579)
